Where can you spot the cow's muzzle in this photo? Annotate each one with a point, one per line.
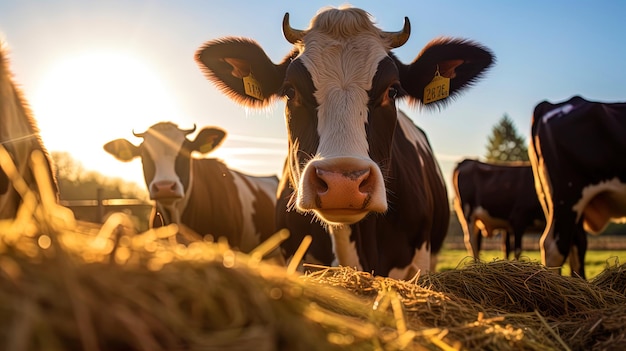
(342, 190)
(166, 190)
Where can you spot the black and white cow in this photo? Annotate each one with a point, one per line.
(495, 196)
(355, 163)
(19, 135)
(578, 153)
(201, 194)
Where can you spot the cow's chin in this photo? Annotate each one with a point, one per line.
(340, 216)
(168, 201)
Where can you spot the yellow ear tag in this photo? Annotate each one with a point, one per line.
(252, 87)
(206, 148)
(437, 89)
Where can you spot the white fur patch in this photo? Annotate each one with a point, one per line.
(344, 249)
(615, 202)
(487, 223)
(419, 139)
(419, 264)
(562, 110)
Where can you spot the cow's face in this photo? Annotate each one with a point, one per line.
(166, 155)
(341, 83)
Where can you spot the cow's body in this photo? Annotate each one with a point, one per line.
(355, 164)
(578, 152)
(201, 194)
(19, 135)
(492, 197)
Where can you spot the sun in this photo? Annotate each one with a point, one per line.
(90, 98)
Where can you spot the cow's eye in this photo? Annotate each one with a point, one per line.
(289, 92)
(392, 92)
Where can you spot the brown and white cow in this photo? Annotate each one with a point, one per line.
(495, 196)
(363, 169)
(578, 153)
(201, 194)
(19, 135)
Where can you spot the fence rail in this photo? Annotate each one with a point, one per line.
(96, 210)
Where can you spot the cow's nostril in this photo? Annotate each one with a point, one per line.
(366, 184)
(318, 182)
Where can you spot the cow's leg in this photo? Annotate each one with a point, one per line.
(517, 246)
(477, 236)
(506, 243)
(552, 254)
(578, 252)
(518, 227)
(472, 238)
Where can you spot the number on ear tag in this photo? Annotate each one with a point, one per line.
(252, 87)
(437, 89)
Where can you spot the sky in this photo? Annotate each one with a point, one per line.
(94, 71)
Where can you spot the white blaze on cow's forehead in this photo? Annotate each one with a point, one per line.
(342, 66)
(163, 144)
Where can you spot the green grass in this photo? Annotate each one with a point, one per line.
(595, 261)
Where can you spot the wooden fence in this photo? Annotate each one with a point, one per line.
(97, 210)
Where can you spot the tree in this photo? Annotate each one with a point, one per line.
(76, 184)
(505, 144)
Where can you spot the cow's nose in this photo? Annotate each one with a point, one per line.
(342, 189)
(165, 189)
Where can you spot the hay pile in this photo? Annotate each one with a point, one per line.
(65, 288)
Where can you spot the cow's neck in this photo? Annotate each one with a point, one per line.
(344, 248)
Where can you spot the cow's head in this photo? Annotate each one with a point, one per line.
(340, 82)
(166, 154)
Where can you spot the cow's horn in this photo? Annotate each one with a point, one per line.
(399, 38)
(138, 135)
(292, 35)
(189, 131)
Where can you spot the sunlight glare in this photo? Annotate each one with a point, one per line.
(91, 98)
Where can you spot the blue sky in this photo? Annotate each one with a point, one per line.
(94, 70)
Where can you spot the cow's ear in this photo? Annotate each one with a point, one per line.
(122, 149)
(462, 61)
(242, 71)
(208, 139)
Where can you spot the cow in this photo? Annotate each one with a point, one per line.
(356, 165)
(495, 196)
(20, 138)
(578, 153)
(202, 195)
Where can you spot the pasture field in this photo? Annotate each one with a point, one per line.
(595, 261)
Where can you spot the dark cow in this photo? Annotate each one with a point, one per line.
(365, 171)
(201, 194)
(578, 153)
(19, 136)
(495, 196)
